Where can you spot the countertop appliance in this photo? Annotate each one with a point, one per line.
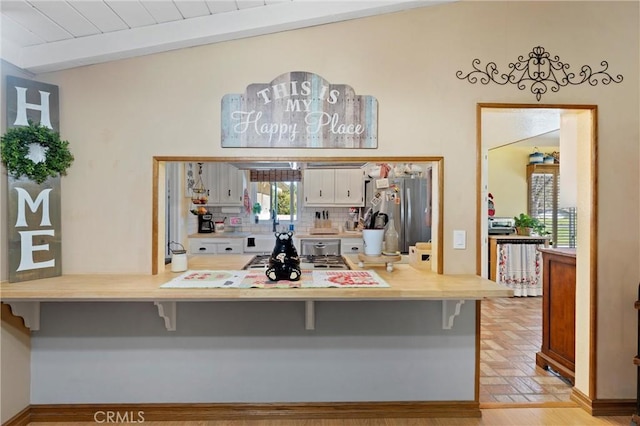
(320, 246)
(205, 223)
(501, 226)
(412, 216)
(307, 262)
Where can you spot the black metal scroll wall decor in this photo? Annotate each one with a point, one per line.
(540, 71)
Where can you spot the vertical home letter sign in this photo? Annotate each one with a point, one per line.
(34, 209)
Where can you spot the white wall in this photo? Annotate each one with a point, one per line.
(15, 373)
(118, 115)
(508, 180)
(584, 338)
(14, 339)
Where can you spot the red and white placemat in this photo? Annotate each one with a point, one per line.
(258, 279)
(346, 279)
(207, 279)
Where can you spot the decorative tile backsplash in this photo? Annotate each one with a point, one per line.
(337, 215)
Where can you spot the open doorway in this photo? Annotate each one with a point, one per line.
(530, 126)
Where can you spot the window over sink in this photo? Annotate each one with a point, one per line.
(277, 193)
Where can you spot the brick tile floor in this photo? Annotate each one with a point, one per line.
(511, 334)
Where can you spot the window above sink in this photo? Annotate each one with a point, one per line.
(276, 191)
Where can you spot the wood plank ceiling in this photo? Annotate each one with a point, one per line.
(48, 35)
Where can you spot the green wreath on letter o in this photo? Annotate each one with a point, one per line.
(35, 151)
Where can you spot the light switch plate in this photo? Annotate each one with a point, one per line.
(459, 239)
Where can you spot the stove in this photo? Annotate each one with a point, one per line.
(307, 262)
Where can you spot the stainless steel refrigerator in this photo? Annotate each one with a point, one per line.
(412, 214)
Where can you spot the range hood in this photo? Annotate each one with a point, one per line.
(334, 165)
(291, 165)
(266, 165)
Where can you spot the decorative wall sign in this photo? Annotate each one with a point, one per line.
(34, 212)
(539, 71)
(32, 100)
(299, 110)
(35, 244)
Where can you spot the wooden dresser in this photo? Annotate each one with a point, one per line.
(558, 312)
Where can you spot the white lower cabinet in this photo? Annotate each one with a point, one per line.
(351, 245)
(215, 246)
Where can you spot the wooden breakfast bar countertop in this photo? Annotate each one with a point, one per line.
(241, 342)
(406, 283)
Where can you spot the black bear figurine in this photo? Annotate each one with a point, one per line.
(284, 263)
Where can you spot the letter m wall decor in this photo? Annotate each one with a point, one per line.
(299, 110)
(34, 222)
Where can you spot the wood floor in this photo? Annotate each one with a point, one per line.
(490, 417)
(511, 331)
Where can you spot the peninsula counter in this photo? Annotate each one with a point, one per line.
(407, 283)
(411, 348)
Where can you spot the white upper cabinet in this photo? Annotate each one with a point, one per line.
(341, 187)
(231, 185)
(225, 184)
(349, 187)
(318, 187)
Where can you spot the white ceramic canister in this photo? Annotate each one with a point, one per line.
(178, 258)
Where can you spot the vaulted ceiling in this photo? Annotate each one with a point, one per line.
(40, 36)
(49, 35)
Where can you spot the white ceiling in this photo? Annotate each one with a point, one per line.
(49, 35)
(527, 127)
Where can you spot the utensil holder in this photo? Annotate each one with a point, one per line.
(322, 223)
(373, 241)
